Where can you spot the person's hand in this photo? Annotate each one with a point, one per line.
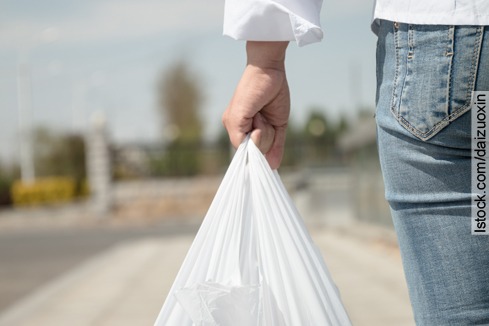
(261, 102)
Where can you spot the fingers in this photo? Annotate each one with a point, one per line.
(260, 105)
(263, 133)
(275, 154)
(269, 139)
(236, 127)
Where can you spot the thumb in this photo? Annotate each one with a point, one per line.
(263, 133)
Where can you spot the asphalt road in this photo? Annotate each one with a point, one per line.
(110, 291)
(32, 258)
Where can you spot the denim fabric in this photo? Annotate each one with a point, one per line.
(425, 76)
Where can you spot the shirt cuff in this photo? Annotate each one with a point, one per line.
(273, 20)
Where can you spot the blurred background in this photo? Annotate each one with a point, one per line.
(111, 145)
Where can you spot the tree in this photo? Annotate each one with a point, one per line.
(59, 154)
(319, 136)
(342, 126)
(7, 175)
(180, 99)
(318, 128)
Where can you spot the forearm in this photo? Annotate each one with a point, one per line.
(266, 55)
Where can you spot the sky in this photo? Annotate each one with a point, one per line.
(107, 56)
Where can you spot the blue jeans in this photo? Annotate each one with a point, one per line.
(425, 76)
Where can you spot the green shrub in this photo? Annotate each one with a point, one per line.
(44, 191)
(5, 198)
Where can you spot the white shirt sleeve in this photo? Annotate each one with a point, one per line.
(273, 20)
(433, 12)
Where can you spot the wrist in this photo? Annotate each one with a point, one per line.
(266, 55)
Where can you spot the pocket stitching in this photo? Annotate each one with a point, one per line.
(455, 114)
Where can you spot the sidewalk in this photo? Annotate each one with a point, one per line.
(127, 284)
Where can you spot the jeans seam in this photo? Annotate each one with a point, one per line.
(475, 60)
(396, 76)
(410, 45)
(410, 36)
(451, 36)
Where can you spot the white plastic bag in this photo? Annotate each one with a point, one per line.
(252, 263)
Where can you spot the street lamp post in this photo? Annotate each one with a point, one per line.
(27, 169)
(24, 103)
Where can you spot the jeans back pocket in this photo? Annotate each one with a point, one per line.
(436, 68)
